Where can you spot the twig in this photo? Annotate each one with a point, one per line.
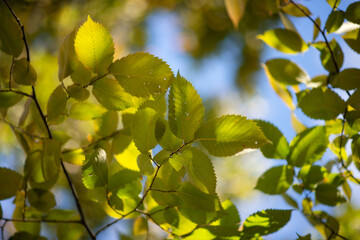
(23, 131)
(17, 91)
(3, 229)
(95, 79)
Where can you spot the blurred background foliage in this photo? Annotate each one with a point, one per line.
(206, 30)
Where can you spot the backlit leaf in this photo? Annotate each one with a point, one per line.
(107, 123)
(286, 72)
(284, 40)
(186, 111)
(352, 12)
(67, 57)
(86, 111)
(292, 10)
(235, 10)
(57, 103)
(311, 175)
(276, 180)
(142, 74)
(347, 79)
(333, 3)
(334, 21)
(95, 169)
(24, 73)
(111, 95)
(94, 46)
(308, 146)
(75, 157)
(316, 29)
(322, 103)
(352, 39)
(279, 147)
(145, 165)
(42, 200)
(78, 92)
(9, 183)
(8, 99)
(266, 221)
(328, 194)
(326, 57)
(230, 134)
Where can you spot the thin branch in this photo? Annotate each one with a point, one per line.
(322, 33)
(77, 201)
(33, 136)
(17, 91)
(163, 191)
(65, 89)
(95, 79)
(333, 232)
(3, 229)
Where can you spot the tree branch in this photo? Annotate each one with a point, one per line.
(95, 79)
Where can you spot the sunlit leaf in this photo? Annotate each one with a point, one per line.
(9, 183)
(316, 29)
(142, 74)
(166, 137)
(308, 146)
(111, 95)
(107, 123)
(57, 103)
(186, 110)
(235, 10)
(145, 165)
(266, 221)
(284, 40)
(276, 180)
(94, 46)
(311, 175)
(24, 73)
(86, 111)
(347, 79)
(322, 103)
(140, 226)
(333, 3)
(75, 157)
(95, 169)
(281, 91)
(230, 134)
(352, 39)
(334, 21)
(326, 57)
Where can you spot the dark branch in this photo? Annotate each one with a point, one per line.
(95, 79)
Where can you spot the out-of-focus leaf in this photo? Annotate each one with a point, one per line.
(42, 200)
(142, 74)
(230, 134)
(322, 103)
(308, 146)
(81, 75)
(111, 95)
(8, 99)
(292, 10)
(94, 46)
(334, 21)
(347, 79)
(266, 221)
(86, 111)
(120, 142)
(75, 157)
(145, 165)
(9, 183)
(311, 175)
(186, 111)
(306, 237)
(140, 226)
(328, 194)
(284, 40)
(287, 22)
(57, 103)
(316, 29)
(276, 180)
(281, 91)
(352, 39)
(279, 147)
(235, 10)
(77, 92)
(286, 72)
(326, 57)
(67, 57)
(333, 3)
(347, 190)
(11, 41)
(95, 169)
(352, 12)
(24, 73)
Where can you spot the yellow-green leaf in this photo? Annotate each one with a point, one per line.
(235, 10)
(57, 103)
(24, 73)
(94, 46)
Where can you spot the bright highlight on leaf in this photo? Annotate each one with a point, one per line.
(94, 46)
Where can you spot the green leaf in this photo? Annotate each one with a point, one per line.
(316, 29)
(61, 215)
(9, 183)
(326, 56)
(144, 164)
(11, 41)
(286, 72)
(143, 129)
(94, 46)
(67, 57)
(352, 39)
(352, 13)
(199, 169)
(111, 95)
(107, 123)
(306, 237)
(287, 22)
(86, 111)
(228, 224)
(322, 103)
(284, 40)
(334, 21)
(24, 73)
(95, 169)
(57, 103)
(279, 147)
(354, 100)
(165, 136)
(142, 74)
(328, 194)
(8, 99)
(266, 221)
(120, 142)
(230, 134)
(311, 175)
(333, 3)
(140, 226)
(292, 10)
(81, 75)
(308, 146)
(355, 147)
(42, 200)
(347, 79)
(75, 157)
(186, 111)
(276, 180)
(77, 92)
(162, 156)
